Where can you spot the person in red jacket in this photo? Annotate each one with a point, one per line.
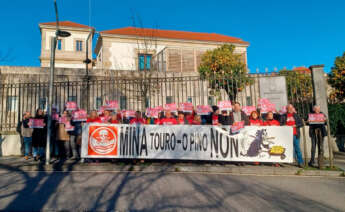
(181, 118)
(137, 119)
(197, 120)
(114, 119)
(93, 118)
(168, 120)
(270, 121)
(215, 115)
(254, 119)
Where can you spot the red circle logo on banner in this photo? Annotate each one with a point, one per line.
(103, 140)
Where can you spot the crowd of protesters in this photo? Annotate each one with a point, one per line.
(65, 144)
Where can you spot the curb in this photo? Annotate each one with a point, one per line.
(229, 169)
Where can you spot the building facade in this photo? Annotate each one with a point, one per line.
(138, 49)
(70, 51)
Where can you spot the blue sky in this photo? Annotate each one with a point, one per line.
(281, 33)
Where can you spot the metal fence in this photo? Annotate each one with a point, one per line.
(138, 93)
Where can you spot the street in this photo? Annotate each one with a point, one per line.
(132, 191)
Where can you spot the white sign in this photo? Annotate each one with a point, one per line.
(194, 142)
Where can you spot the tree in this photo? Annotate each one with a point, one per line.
(336, 79)
(224, 70)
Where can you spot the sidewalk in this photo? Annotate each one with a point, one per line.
(19, 164)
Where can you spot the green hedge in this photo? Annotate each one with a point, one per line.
(337, 118)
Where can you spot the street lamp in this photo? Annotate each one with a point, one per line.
(58, 33)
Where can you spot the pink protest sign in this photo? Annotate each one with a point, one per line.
(159, 108)
(128, 113)
(111, 105)
(70, 106)
(186, 107)
(237, 126)
(152, 112)
(316, 118)
(68, 126)
(63, 120)
(225, 105)
(266, 106)
(36, 123)
(79, 115)
(248, 109)
(172, 107)
(203, 109)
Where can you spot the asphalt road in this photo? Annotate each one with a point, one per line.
(131, 191)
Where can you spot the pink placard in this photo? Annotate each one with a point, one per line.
(186, 107)
(128, 113)
(68, 126)
(225, 105)
(63, 120)
(237, 126)
(172, 107)
(265, 106)
(203, 109)
(55, 116)
(36, 123)
(152, 112)
(316, 118)
(111, 105)
(70, 106)
(248, 109)
(79, 115)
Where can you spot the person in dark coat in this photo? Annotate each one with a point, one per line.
(290, 118)
(39, 137)
(238, 115)
(312, 134)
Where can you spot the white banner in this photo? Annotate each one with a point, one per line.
(188, 142)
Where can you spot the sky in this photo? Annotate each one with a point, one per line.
(281, 33)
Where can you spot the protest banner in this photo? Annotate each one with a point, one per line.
(194, 142)
(316, 118)
(225, 105)
(248, 109)
(71, 106)
(203, 109)
(186, 107)
(79, 115)
(172, 107)
(111, 105)
(128, 113)
(36, 123)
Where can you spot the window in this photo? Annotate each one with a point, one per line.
(123, 102)
(168, 99)
(249, 101)
(190, 99)
(72, 99)
(144, 62)
(59, 44)
(79, 45)
(42, 103)
(99, 102)
(12, 103)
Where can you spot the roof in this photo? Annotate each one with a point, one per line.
(302, 70)
(172, 34)
(67, 24)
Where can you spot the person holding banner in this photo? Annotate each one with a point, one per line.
(197, 120)
(63, 137)
(168, 120)
(270, 121)
(93, 118)
(114, 119)
(215, 115)
(137, 119)
(39, 136)
(181, 119)
(254, 119)
(290, 118)
(224, 118)
(318, 123)
(237, 115)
